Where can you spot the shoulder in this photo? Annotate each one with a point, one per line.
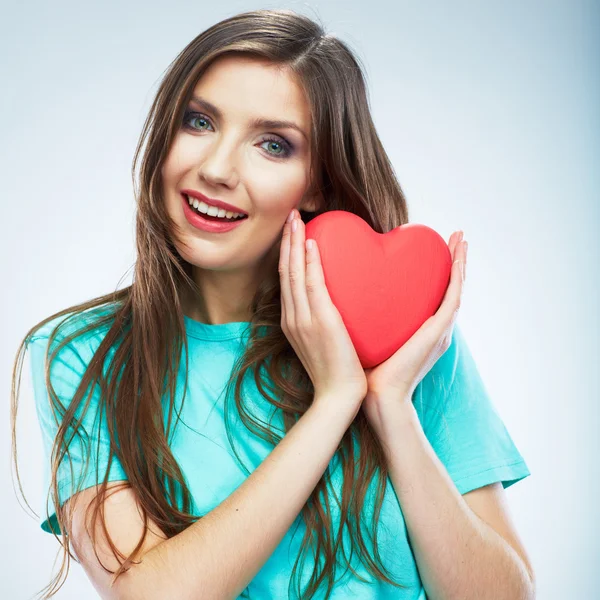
(76, 333)
(451, 365)
(454, 387)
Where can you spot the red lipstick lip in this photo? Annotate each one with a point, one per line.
(213, 201)
(203, 223)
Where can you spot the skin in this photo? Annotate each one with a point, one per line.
(223, 158)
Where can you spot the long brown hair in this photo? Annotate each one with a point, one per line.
(144, 322)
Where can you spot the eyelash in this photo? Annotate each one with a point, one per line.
(287, 146)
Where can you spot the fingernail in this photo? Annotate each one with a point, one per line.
(290, 216)
(294, 224)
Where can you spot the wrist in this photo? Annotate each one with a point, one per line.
(341, 406)
(388, 416)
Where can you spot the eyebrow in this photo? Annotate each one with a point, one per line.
(255, 123)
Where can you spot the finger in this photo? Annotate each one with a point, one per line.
(452, 298)
(316, 288)
(297, 276)
(457, 278)
(454, 239)
(287, 304)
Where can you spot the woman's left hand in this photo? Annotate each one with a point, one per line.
(392, 383)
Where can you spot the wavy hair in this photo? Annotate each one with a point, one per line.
(144, 322)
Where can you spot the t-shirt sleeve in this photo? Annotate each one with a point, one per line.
(66, 372)
(462, 424)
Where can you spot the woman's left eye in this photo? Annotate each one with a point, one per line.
(286, 147)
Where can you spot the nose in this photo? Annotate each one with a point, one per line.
(219, 163)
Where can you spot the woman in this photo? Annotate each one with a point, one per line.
(269, 481)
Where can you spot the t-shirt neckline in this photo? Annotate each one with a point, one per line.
(219, 331)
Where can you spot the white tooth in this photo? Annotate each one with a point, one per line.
(213, 211)
(200, 205)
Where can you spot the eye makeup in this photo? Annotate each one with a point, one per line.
(287, 147)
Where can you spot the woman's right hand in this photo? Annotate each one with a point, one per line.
(313, 324)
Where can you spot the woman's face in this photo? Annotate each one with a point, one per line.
(220, 152)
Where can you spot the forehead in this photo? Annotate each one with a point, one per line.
(250, 87)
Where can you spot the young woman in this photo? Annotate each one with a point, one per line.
(269, 481)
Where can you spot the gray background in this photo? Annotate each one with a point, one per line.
(490, 114)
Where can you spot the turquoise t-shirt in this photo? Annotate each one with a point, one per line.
(457, 415)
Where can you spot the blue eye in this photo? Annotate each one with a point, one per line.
(286, 148)
(193, 116)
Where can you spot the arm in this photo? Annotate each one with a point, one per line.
(220, 554)
(459, 556)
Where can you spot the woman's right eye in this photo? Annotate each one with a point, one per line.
(189, 115)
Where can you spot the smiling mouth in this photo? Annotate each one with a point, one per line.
(212, 217)
(215, 218)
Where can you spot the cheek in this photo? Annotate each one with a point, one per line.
(277, 190)
(170, 171)
(185, 154)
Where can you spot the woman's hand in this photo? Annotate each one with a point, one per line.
(313, 324)
(392, 383)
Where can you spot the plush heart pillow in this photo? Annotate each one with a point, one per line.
(385, 285)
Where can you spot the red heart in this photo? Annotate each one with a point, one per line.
(384, 285)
